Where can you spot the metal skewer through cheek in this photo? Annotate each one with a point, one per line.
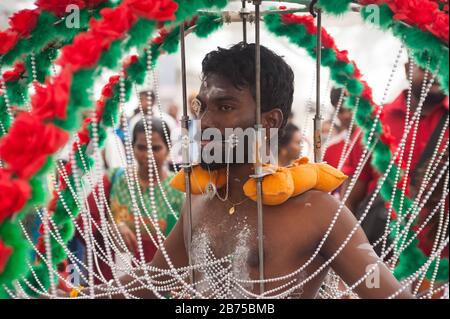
(259, 141)
(185, 154)
(317, 12)
(244, 15)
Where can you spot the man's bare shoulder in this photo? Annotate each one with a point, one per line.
(314, 204)
(313, 197)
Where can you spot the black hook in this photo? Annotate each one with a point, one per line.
(311, 7)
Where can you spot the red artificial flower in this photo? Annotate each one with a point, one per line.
(405, 181)
(58, 7)
(93, 3)
(415, 12)
(5, 252)
(367, 92)
(68, 171)
(160, 10)
(357, 73)
(50, 101)
(8, 40)
(114, 23)
(342, 56)
(53, 202)
(327, 40)
(108, 89)
(130, 60)
(84, 52)
(400, 164)
(440, 26)
(393, 215)
(375, 111)
(386, 136)
(29, 143)
(306, 20)
(14, 193)
(161, 37)
(14, 74)
(100, 107)
(367, 2)
(24, 21)
(83, 134)
(40, 245)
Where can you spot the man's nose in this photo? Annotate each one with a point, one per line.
(207, 120)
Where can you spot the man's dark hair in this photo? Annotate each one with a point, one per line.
(335, 95)
(157, 127)
(287, 134)
(143, 94)
(237, 65)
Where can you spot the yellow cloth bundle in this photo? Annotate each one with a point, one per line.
(200, 179)
(277, 187)
(280, 184)
(296, 179)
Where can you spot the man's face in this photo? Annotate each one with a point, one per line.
(224, 106)
(435, 96)
(293, 148)
(345, 117)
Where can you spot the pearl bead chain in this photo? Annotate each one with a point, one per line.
(129, 161)
(7, 102)
(440, 231)
(307, 117)
(416, 202)
(333, 120)
(411, 279)
(401, 154)
(33, 66)
(352, 182)
(348, 137)
(130, 165)
(158, 103)
(420, 207)
(218, 278)
(103, 219)
(48, 249)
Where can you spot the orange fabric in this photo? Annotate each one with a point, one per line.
(200, 178)
(296, 179)
(277, 187)
(281, 184)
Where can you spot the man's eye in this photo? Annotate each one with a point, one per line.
(225, 108)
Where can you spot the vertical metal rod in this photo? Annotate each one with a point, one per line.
(186, 158)
(318, 116)
(244, 21)
(259, 140)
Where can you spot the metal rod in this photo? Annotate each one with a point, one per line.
(186, 158)
(258, 126)
(318, 116)
(244, 21)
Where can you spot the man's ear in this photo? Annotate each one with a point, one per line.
(272, 119)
